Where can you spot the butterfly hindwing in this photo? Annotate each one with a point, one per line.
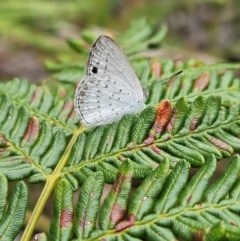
(103, 100)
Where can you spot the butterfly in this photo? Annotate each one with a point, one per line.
(110, 88)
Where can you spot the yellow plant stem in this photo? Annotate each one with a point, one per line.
(50, 184)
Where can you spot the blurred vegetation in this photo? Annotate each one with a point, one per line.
(37, 37)
(33, 31)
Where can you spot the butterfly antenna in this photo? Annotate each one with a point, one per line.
(162, 80)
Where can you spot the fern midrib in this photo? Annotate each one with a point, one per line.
(195, 209)
(139, 147)
(41, 115)
(49, 186)
(205, 93)
(148, 223)
(194, 133)
(11, 220)
(24, 155)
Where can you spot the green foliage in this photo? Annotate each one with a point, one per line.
(199, 124)
(12, 214)
(164, 207)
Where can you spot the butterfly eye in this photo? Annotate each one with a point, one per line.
(95, 70)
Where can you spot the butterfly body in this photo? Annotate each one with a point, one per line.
(110, 88)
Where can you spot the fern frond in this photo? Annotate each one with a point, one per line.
(38, 101)
(194, 82)
(127, 133)
(12, 218)
(193, 131)
(29, 148)
(164, 207)
(88, 206)
(146, 35)
(61, 226)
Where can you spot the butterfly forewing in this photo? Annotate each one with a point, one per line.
(110, 88)
(107, 57)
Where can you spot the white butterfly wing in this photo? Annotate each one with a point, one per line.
(103, 99)
(106, 57)
(110, 88)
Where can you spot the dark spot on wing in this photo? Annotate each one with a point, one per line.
(95, 70)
